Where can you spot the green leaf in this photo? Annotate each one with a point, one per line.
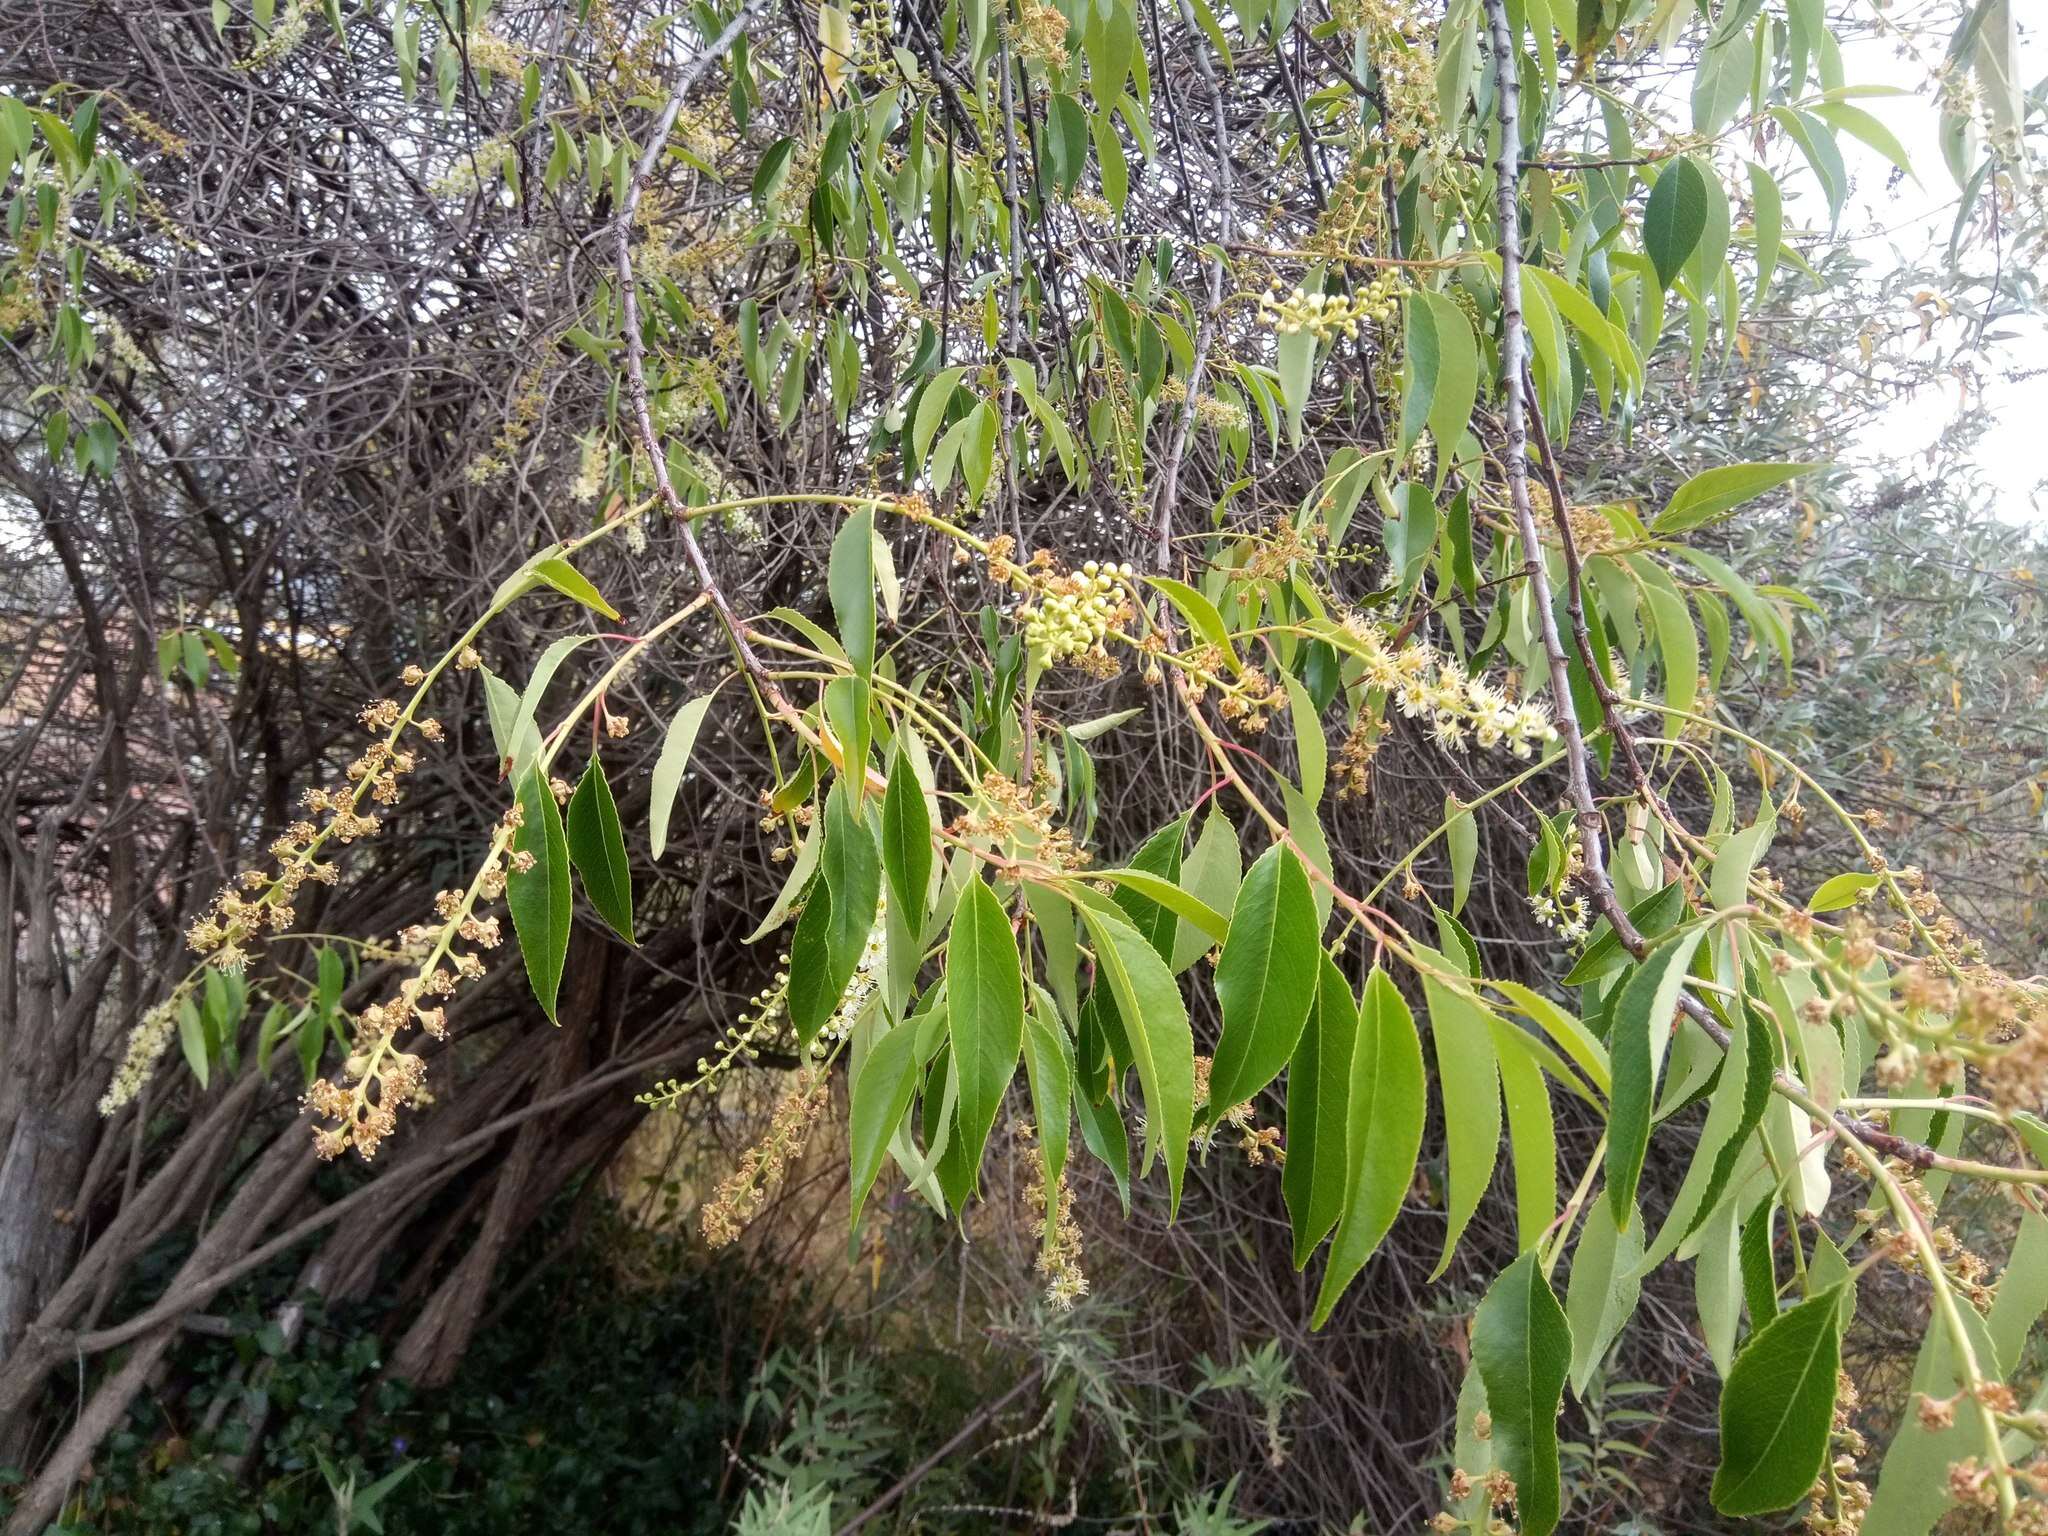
(669, 767)
(850, 576)
(837, 917)
(539, 895)
(1643, 1023)
(1651, 916)
(1777, 1409)
(1210, 874)
(1522, 1346)
(1318, 1091)
(1147, 891)
(1470, 1083)
(1532, 1132)
(1265, 979)
(880, 1098)
(1604, 1290)
(1841, 891)
(1201, 614)
(1461, 838)
(1311, 747)
(1049, 1071)
(1294, 367)
(1769, 224)
(1736, 860)
(907, 839)
(192, 1039)
(1675, 217)
(1721, 82)
(1162, 1046)
(985, 997)
(1710, 493)
(597, 847)
(1442, 375)
(570, 582)
(1383, 1133)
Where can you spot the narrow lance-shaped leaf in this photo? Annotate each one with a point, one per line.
(538, 894)
(1161, 1045)
(1443, 375)
(837, 918)
(880, 1098)
(1383, 1134)
(1212, 874)
(985, 996)
(1318, 1121)
(1470, 1084)
(1265, 978)
(1523, 1348)
(1604, 1290)
(906, 839)
(1641, 1030)
(597, 847)
(669, 767)
(850, 574)
(1461, 840)
(1778, 1409)
(570, 582)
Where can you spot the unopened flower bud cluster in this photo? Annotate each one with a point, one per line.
(1327, 315)
(1070, 616)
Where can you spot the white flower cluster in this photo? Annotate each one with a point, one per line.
(1073, 613)
(147, 1042)
(1567, 917)
(866, 973)
(1462, 710)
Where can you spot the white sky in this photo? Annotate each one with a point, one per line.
(1889, 225)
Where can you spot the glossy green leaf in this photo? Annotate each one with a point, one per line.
(1442, 381)
(597, 848)
(1318, 1122)
(1675, 217)
(570, 582)
(1469, 1080)
(192, 1039)
(1532, 1132)
(538, 896)
(1211, 874)
(1265, 979)
(907, 839)
(985, 1004)
(1161, 1044)
(837, 918)
(879, 1099)
(850, 575)
(1777, 1409)
(1461, 841)
(1711, 492)
(1840, 891)
(1386, 1102)
(1522, 1345)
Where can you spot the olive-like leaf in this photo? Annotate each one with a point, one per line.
(985, 997)
(1387, 1101)
(597, 847)
(1265, 979)
(538, 895)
